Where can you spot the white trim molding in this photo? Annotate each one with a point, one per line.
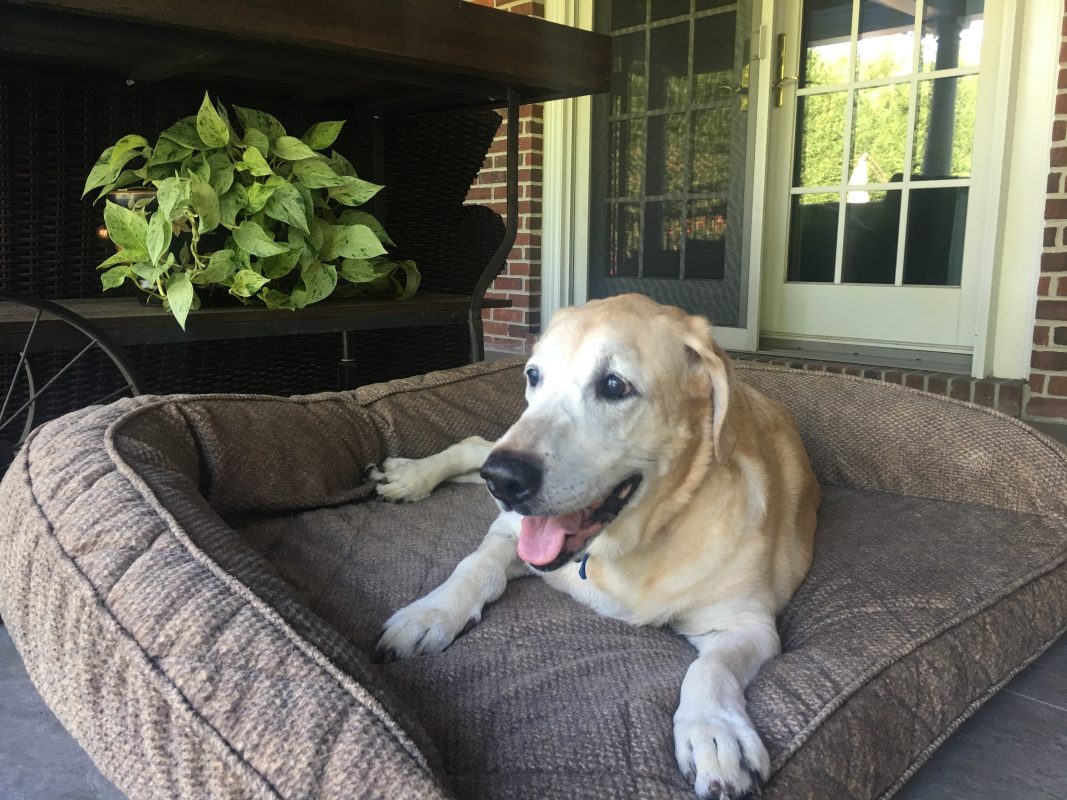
(565, 221)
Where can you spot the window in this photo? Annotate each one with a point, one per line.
(884, 139)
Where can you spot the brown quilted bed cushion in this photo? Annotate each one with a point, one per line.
(195, 583)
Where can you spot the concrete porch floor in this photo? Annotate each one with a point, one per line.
(1014, 747)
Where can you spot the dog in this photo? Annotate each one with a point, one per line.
(647, 482)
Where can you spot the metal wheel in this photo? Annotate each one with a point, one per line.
(52, 361)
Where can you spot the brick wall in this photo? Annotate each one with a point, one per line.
(1047, 395)
(513, 329)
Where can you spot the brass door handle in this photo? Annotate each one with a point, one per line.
(779, 68)
(741, 90)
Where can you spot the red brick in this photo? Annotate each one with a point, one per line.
(1041, 334)
(1050, 237)
(1056, 208)
(1049, 360)
(1061, 104)
(1052, 185)
(1061, 286)
(937, 384)
(1010, 398)
(960, 388)
(505, 283)
(1062, 82)
(1044, 283)
(526, 301)
(893, 376)
(495, 328)
(508, 314)
(1052, 309)
(1054, 262)
(1059, 130)
(916, 380)
(1057, 386)
(1059, 335)
(1058, 156)
(1037, 383)
(477, 193)
(985, 392)
(1047, 407)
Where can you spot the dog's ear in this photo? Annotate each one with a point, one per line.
(715, 374)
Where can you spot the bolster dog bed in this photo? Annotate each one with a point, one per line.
(195, 585)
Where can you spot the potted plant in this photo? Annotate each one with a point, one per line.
(263, 216)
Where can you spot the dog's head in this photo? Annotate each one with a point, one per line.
(625, 398)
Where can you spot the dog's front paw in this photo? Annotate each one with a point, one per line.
(403, 480)
(721, 754)
(418, 629)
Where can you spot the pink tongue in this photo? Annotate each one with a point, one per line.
(541, 538)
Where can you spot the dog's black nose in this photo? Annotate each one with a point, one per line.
(512, 478)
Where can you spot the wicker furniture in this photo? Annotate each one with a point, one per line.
(77, 74)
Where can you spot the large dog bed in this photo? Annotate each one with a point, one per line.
(195, 584)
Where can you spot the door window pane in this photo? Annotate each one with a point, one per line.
(886, 40)
(628, 144)
(624, 233)
(628, 73)
(706, 5)
(663, 248)
(665, 9)
(813, 237)
(933, 253)
(705, 240)
(669, 66)
(627, 13)
(710, 170)
(820, 139)
(713, 61)
(872, 223)
(666, 154)
(825, 45)
(879, 131)
(952, 35)
(944, 128)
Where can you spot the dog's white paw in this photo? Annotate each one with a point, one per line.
(404, 480)
(720, 753)
(418, 629)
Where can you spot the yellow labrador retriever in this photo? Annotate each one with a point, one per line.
(649, 484)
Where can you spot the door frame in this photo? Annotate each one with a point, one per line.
(1019, 145)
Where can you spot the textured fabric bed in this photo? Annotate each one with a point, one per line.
(195, 583)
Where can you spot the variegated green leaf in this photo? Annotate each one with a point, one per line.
(184, 132)
(354, 217)
(250, 118)
(350, 241)
(256, 163)
(314, 173)
(251, 238)
(212, 129)
(158, 237)
(287, 205)
(126, 228)
(220, 267)
(180, 296)
(353, 191)
(246, 283)
(322, 134)
(114, 277)
(292, 149)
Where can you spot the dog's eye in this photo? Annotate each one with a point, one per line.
(612, 387)
(533, 376)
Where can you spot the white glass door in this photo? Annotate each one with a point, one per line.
(872, 212)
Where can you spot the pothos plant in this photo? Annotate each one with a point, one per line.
(264, 214)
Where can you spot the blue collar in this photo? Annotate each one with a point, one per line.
(581, 569)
